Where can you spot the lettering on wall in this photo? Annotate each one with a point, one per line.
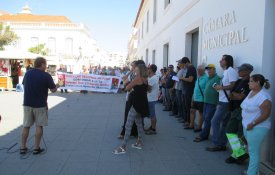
(232, 37)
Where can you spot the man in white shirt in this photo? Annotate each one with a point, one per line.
(222, 114)
(152, 96)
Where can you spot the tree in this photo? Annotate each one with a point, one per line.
(39, 49)
(6, 36)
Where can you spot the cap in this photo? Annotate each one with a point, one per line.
(153, 67)
(179, 61)
(246, 66)
(209, 66)
(170, 66)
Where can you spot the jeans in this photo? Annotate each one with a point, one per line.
(254, 139)
(179, 103)
(208, 113)
(187, 100)
(219, 122)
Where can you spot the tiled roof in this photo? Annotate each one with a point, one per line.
(34, 18)
(3, 12)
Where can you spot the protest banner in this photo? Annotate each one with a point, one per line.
(89, 82)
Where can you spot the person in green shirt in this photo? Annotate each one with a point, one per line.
(211, 99)
(197, 101)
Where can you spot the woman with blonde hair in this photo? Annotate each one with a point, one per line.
(256, 109)
(139, 109)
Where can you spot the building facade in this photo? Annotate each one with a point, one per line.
(67, 43)
(206, 30)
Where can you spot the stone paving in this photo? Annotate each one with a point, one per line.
(82, 133)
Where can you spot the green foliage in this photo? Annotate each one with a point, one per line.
(39, 49)
(6, 36)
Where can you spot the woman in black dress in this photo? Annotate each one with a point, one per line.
(139, 108)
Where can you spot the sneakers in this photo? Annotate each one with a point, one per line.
(137, 145)
(230, 160)
(216, 148)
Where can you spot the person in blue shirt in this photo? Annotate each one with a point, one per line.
(36, 84)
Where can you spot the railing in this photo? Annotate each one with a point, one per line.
(46, 25)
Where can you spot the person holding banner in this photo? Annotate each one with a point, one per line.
(139, 109)
(63, 70)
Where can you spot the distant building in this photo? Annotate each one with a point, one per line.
(67, 42)
(205, 30)
(117, 59)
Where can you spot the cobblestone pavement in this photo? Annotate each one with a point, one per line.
(82, 133)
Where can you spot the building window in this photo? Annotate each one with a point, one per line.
(52, 46)
(34, 41)
(147, 26)
(17, 43)
(146, 56)
(165, 54)
(69, 46)
(155, 11)
(154, 57)
(166, 3)
(142, 30)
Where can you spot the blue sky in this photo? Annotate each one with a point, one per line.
(110, 21)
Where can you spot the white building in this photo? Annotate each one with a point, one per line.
(67, 42)
(132, 46)
(204, 31)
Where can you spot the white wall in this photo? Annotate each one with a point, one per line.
(174, 22)
(252, 20)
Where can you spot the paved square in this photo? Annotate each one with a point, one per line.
(82, 134)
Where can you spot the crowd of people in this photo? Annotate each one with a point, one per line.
(235, 107)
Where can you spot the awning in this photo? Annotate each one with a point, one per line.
(16, 54)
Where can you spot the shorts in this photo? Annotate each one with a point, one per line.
(198, 106)
(152, 113)
(39, 116)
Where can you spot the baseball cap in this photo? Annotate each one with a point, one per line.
(209, 66)
(246, 66)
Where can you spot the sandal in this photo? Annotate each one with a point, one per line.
(137, 145)
(23, 150)
(119, 150)
(37, 151)
(120, 136)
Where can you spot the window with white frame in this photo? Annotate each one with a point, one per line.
(155, 11)
(17, 43)
(165, 54)
(34, 41)
(52, 46)
(147, 26)
(166, 3)
(146, 56)
(69, 46)
(154, 57)
(142, 30)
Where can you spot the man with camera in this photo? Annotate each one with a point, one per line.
(36, 83)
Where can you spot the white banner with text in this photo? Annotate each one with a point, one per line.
(89, 82)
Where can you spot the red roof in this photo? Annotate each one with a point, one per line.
(34, 18)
